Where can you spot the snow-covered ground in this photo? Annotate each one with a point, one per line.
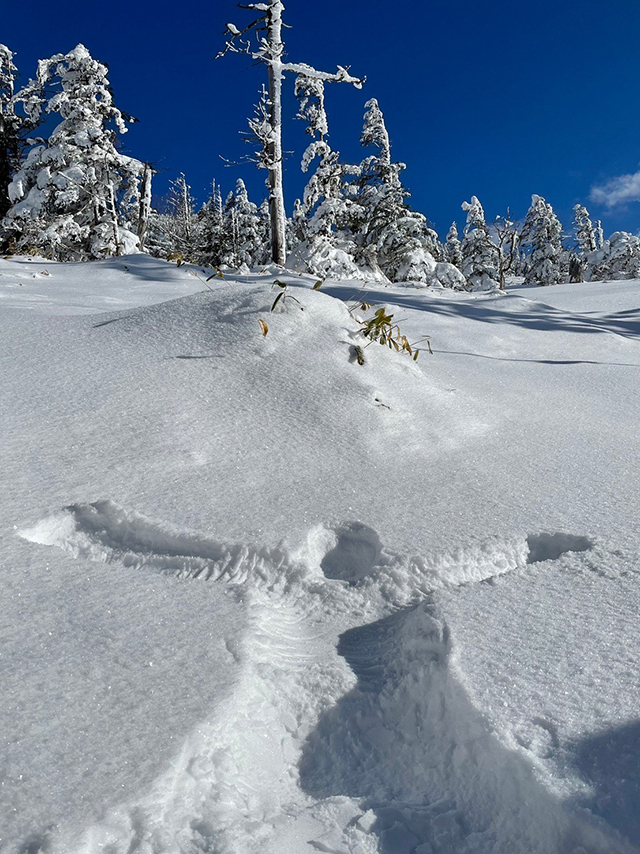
(259, 598)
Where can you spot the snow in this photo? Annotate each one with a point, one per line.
(257, 597)
(51, 288)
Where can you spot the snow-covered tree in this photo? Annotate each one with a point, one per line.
(480, 262)
(144, 205)
(322, 221)
(267, 127)
(542, 236)
(599, 231)
(241, 231)
(391, 239)
(324, 218)
(584, 231)
(211, 226)
(180, 223)
(619, 258)
(394, 238)
(432, 242)
(248, 227)
(229, 243)
(74, 192)
(453, 247)
(506, 234)
(310, 94)
(10, 127)
(576, 267)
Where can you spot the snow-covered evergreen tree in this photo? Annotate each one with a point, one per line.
(480, 263)
(432, 243)
(576, 267)
(264, 229)
(156, 241)
(453, 247)
(248, 227)
(74, 192)
(391, 238)
(394, 238)
(322, 221)
(542, 235)
(297, 226)
(310, 94)
(584, 231)
(619, 258)
(211, 226)
(180, 223)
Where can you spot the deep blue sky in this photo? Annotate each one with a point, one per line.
(500, 99)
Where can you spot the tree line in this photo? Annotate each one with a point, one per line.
(73, 195)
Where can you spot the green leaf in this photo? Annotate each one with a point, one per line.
(279, 283)
(318, 285)
(276, 300)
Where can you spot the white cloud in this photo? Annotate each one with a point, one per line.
(617, 191)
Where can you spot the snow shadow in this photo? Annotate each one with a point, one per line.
(144, 267)
(356, 553)
(552, 546)
(544, 318)
(422, 760)
(535, 361)
(537, 315)
(610, 761)
(358, 749)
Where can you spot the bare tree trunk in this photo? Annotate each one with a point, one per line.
(186, 214)
(114, 218)
(276, 196)
(145, 205)
(5, 165)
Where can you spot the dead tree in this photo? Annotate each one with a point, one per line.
(144, 204)
(267, 127)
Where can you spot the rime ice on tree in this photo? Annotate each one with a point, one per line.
(584, 230)
(75, 193)
(10, 127)
(394, 238)
(479, 254)
(453, 247)
(269, 50)
(542, 235)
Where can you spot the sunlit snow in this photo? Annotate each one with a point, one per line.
(259, 598)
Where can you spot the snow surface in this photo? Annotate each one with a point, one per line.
(259, 598)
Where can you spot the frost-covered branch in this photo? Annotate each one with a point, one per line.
(269, 49)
